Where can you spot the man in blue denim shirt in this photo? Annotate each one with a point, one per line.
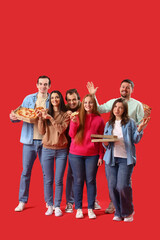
(30, 137)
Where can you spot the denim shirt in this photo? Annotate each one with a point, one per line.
(130, 137)
(27, 128)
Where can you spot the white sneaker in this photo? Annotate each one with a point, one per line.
(79, 213)
(49, 211)
(129, 218)
(20, 207)
(91, 214)
(69, 208)
(48, 206)
(116, 218)
(58, 212)
(96, 205)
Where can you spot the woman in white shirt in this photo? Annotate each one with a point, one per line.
(120, 158)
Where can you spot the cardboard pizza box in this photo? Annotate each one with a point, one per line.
(25, 119)
(103, 138)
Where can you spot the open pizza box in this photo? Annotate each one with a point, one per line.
(25, 119)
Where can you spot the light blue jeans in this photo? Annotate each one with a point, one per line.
(119, 184)
(30, 152)
(48, 157)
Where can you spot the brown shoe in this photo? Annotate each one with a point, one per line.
(110, 209)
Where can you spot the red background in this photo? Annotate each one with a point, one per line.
(73, 42)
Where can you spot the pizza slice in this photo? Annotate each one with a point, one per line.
(146, 107)
(74, 114)
(39, 108)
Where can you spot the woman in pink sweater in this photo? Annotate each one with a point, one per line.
(85, 156)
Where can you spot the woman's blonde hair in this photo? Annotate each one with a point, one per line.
(82, 117)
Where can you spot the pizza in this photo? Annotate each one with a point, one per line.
(74, 114)
(146, 107)
(26, 112)
(39, 108)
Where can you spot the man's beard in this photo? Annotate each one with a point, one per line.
(123, 96)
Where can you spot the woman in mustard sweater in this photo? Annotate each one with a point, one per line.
(52, 126)
(85, 156)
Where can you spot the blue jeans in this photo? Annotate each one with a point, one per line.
(69, 185)
(30, 152)
(119, 185)
(84, 168)
(48, 157)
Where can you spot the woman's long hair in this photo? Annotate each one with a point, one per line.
(82, 117)
(62, 107)
(125, 117)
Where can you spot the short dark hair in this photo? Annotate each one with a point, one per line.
(49, 81)
(71, 91)
(128, 81)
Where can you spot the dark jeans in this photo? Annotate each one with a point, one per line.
(84, 168)
(69, 186)
(119, 185)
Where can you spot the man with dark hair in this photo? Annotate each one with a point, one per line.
(73, 104)
(73, 100)
(128, 81)
(44, 77)
(135, 110)
(30, 137)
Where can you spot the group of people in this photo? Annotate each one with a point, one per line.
(59, 134)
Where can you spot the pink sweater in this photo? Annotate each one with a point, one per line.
(93, 125)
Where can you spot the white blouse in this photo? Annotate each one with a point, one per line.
(119, 146)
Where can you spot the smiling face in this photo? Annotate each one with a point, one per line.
(126, 90)
(118, 110)
(88, 105)
(72, 100)
(55, 99)
(43, 85)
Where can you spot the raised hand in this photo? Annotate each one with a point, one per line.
(91, 89)
(143, 124)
